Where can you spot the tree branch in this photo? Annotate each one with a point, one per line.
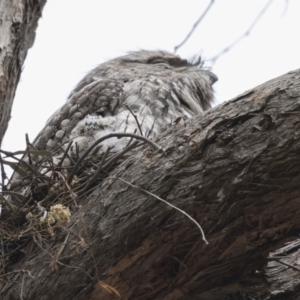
(236, 169)
(19, 21)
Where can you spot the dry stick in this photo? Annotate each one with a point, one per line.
(14, 250)
(129, 142)
(65, 154)
(28, 148)
(248, 31)
(166, 202)
(16, 271)
(88, 191)
(136, 119)
(50, 197)
(76, 151)
(7, 203)
(108, 164)
(91, 180)
(19, 209)
(68, 187)
(60, 250)
(120, 154)
(60, 263)
(37, 163)
(10, 154)
(195, 26)
(3, 174)
(19, 196)
(23, 281)
(284, 263)
(119, 135)
(56, 150)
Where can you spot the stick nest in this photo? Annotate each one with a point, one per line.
(38, 201)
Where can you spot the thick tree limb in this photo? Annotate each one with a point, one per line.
(235, 170)
(18, 20)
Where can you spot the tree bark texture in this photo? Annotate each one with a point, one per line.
(235, 170)
(18, 23)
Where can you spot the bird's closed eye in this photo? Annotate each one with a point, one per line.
(157, 61)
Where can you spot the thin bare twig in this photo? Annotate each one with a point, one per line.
(247, 33)
(129, 142)
(65, 154)
(23, 282)
(284, 263)
(194, 26)
(60, 263)
(88, 191)
(21, 162)
(17, 271)
(120, 154)
(136, 119)
(166, 202)
(92, 179)
(108, 136)
(28, 148)
(73, 195)
(76, 151)
(53, 263)
(3, 174)
(7, 203)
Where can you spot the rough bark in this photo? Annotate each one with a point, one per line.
(235, 170)
(18, 23)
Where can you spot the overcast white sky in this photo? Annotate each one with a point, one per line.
(76, 35)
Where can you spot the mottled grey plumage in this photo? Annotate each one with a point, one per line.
(158, 87)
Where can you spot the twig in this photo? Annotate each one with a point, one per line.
(129, 142)
(136, 119)
(284, 263)
(16, 271)
(19, 196)
(86, 192)
(166, 202)
(76, 151)
(195, 26)
(65, 154)
(107, 165)
(120, 154)
(23, 281)
(28, 148)
(7, 203)
(60, 263)
(247, 33)
(10, 154)
(53, 264)
(48, 198)
(3, 174)
(68, 187)
(119, 135)
(91, 180)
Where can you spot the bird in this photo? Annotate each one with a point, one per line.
(144, 92)
(145, 89)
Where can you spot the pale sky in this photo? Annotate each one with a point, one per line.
(74, 36)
